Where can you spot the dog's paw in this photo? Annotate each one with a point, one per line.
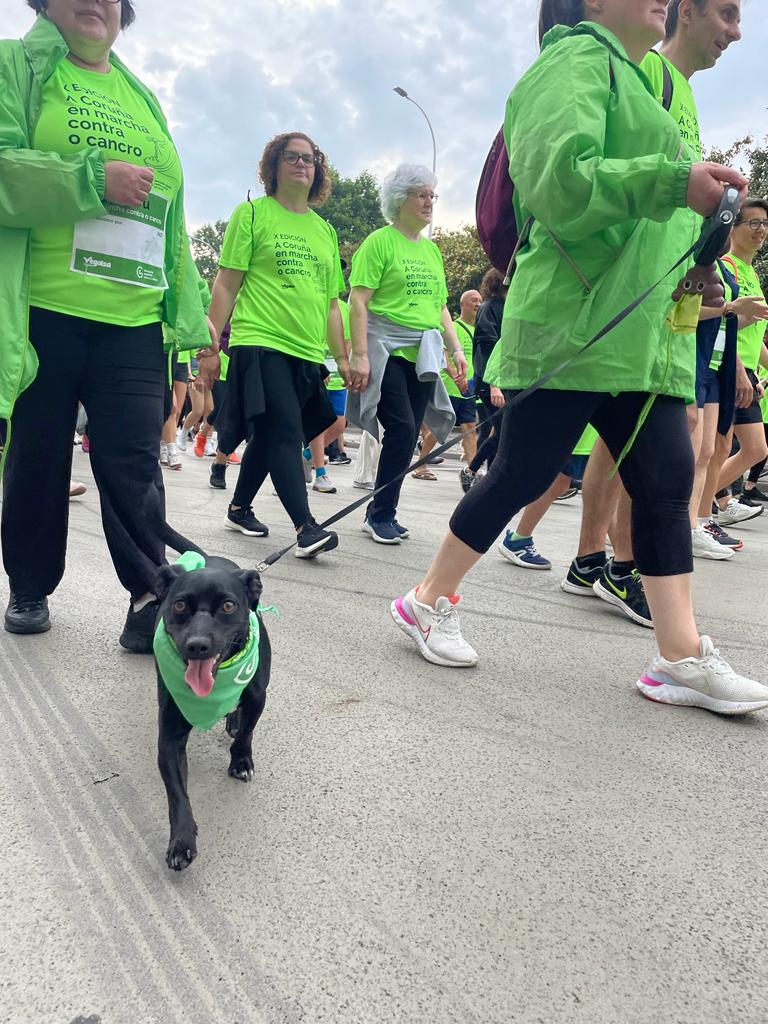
(181, 852)
(242, 768)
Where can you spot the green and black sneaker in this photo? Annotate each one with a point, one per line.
(626, 593)
(583, 574)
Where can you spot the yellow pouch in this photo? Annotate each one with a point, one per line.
(683, 318)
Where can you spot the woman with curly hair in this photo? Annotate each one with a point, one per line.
(96, 262)
(279, 279)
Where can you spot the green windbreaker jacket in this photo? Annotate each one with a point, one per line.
(599, 164)
(45, 189)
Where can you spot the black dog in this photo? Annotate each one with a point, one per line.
(206, 614)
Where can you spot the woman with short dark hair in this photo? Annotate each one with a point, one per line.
(95, 260)
(280, 279)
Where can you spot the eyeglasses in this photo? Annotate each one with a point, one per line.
(292, 157)
(755, 225)
(423, 196)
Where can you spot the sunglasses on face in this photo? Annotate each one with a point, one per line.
(292, 157)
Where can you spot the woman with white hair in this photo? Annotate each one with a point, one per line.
(401, 334)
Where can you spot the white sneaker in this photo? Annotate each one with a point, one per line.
(364, 485)
(323, 484)
(707, 682)
(163, 453)
(181, 439)
(211, 445)
(734, 512)
(705, 546)
(435, 630)
(174, 459)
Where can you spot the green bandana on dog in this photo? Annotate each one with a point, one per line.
(182, 680)
(231, 678)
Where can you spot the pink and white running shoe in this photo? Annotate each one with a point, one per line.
(435, 631)
(707, 682)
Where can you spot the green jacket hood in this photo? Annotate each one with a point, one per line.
(585, 28)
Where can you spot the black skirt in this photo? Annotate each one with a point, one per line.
(248, 385)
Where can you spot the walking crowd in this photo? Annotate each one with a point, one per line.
(660, 428)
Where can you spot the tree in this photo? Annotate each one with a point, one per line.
(464, 258)
(353, 209)
(206, 248)
(752, 159)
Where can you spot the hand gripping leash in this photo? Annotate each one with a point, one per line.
(701, 280)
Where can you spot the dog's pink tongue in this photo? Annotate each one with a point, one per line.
(199, 676)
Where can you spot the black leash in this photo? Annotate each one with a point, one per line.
(706, 249)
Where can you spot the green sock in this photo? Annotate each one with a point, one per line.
(519, 536)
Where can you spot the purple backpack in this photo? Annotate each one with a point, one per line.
(494, 210)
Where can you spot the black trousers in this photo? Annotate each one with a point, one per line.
(537, 438)
(277, 439)
(404, 399)
(120, 374)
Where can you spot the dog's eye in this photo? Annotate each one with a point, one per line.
(179, 606)
(228, 607)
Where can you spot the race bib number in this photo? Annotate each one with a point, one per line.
(127, 244)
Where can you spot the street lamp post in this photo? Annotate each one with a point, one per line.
(404, 94)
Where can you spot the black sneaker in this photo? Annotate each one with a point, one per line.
(467, 479)
(755, 494)
(341, 459)
(747, 498)
(625, 593)
(716, 531)
(582, 579)
(245, 521)
(26, 615)
(571, 492)
(218, 478)
(312, 540)
(139, 629)
(385, 532)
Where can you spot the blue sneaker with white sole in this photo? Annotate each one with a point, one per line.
(523, 552)
(382, 533)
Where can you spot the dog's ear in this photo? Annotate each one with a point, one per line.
(252, 583)
(166, 576)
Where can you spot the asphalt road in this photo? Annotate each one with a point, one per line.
(529, 841)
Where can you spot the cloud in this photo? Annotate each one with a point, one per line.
(232, 75)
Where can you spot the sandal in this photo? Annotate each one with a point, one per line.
(423, 474)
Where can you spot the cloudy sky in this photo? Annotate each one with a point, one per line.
(231, 73)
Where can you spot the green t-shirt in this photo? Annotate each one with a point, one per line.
(110, 268)
(335, 382)
(466, 335)
(292, 272)
(750, 338)
(407, 278)
(683, 108)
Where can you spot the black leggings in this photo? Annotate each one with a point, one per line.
(404, 399)
(754, 473)
(120, 374)
(275, 446)
(537, 438)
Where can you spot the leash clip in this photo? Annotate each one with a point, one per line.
(261, 567)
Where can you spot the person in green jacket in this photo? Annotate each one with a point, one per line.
(95, 260)
(600, 166)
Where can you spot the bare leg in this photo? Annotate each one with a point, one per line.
(317, 447)
(671, 604)
(753, 449)
(600, 495)
(704, 452)
(196, 412)
(620, 530)
(535, 512)
(722, 450)
(469, 441)
(428, 442)
(450, 565)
